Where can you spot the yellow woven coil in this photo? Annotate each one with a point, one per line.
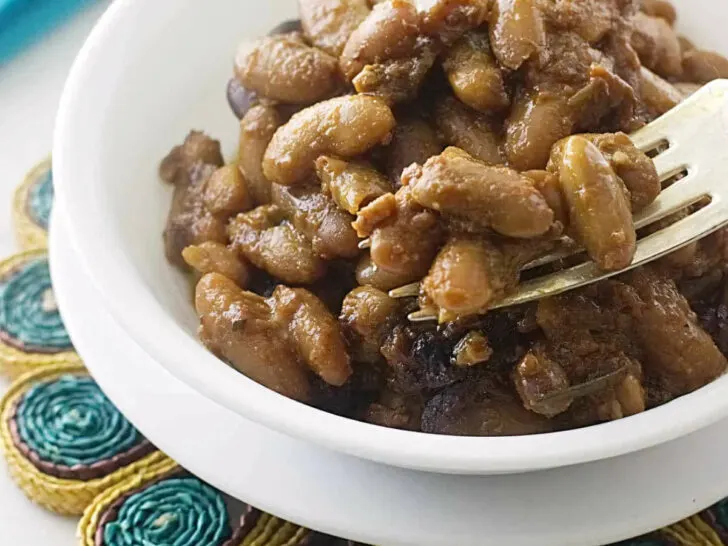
(14, 362)
(272, 531)
(63, 496)
(90, 521)
(28, 233)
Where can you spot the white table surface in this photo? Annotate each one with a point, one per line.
(30, 87)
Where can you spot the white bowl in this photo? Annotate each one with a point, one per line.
(148, 73)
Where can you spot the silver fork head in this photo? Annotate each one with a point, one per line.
(695, 134)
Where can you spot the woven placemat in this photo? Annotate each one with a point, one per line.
(96, 497)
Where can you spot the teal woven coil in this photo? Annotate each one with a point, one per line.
(28, 313)
(40, 199)
(173, 512)
(70, 422)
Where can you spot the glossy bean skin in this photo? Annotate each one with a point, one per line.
(366, 314)
(474, 74)
(368, 274)
(704, 66)
(284, 68)
(599, 210)
(275, 246)
(237, 326)
(351, 185)
(227, 192)
(211, 257)
(345, 126)
(329, 23)
(469, 130)
(256, 131)
(456, 184)
(659, 95)
(516, 31)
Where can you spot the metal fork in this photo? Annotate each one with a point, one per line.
(691, 139)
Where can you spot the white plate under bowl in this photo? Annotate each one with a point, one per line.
(149, 72)
(582, 505)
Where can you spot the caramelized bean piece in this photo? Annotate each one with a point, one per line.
(275, 246)
(474, 74)
(497, 197)
(189, 167)
(539, 380)
(547, 183)
(314, 332)
(318, 218)
(590, 19)
(660, 8)
(368, 274)
(448, 20)
(256, 131)
(397, 80)
(389, 32)
(469, 130)
(210, 257)
(329, 23)
(351, 185)
(633, 167)
(237, 326)
(405, 236)
(658, 95)
(413, 141)
(537, 121)
(680, 355)
(704, 66)
(471, 350)
(367, 314)
(226, 192)
(284, 68)
(599, 210)
(657, 45)
(469, 275)
(516, 31)
(345, 126)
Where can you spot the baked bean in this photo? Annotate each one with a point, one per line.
(314, 332)
(704, 66)
(634, 168)
(389, 32)
(345, 126)
(397, 80)
(275, 246)
(226, 192)
(469, 130)
(284, 68)
(468, 275)
(210, 257)
(539, 380)
(351, 185)
(447, 20)
(404, 235)
(474, 74)
(256, 131)
(456, 184)
(367, 314)
(329, 23)
(547, 183)
(318, 218)
(516, 31)
(657, 45)
(660, 8)
(599, 210)
(659, 95)
(237, 326)
(537, 121)
(198, 148)
(368, 274)
(413, 141)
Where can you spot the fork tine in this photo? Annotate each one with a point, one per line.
(677, 197)
(695, 226)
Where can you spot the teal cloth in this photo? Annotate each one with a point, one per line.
(23, 22)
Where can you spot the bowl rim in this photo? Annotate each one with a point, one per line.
(184, 357)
